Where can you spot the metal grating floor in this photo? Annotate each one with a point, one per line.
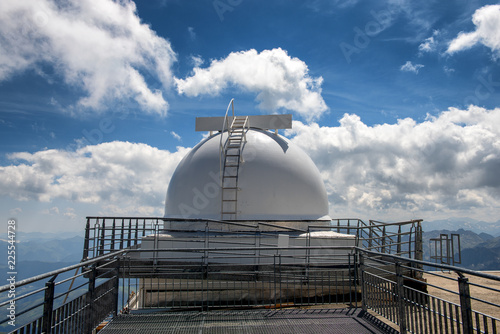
(313, 321)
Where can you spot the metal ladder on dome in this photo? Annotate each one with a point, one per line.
(233, 147)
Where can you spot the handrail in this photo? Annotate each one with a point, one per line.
(62, 270)
(224, 123)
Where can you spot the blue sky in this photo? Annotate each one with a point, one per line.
(394, 100)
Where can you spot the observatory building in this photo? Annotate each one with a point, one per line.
(247, 173)
(245, 185)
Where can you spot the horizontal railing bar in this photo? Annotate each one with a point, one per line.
(436, 265)
(62, 270)
(408, 222)
(22, 296)
(18, 314)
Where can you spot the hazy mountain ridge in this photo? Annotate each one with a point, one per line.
(46, 250)
(454, 224)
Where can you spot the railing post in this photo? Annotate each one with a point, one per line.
(90, 319)
(419, 251)
(362, 281)
(122, 235)
(48, 306)
(398, 246)
(383, 240)
(113, 235)
(103, 237)
(465, 304)
(86, 241)
(117, 286)
(136, 236)
(401, 298)
(129, 239)
(370, 237)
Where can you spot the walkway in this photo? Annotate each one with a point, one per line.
(312, 321)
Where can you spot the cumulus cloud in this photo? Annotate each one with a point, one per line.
(410, 67)
(487, 22)
(446, 164)
(279, 81)
(126, 177)
(99, 46)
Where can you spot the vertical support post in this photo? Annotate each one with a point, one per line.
(48, 306)
(383, 240)
(122, 235)
(117, 287)
(136, 235)
(362, 279)
(355, 267)
(86, 241)
(455, 236)
(274, 278)
(465, 304)
(370, 237)
(129, 239)
(103, 237)
(398, 246)
(113, 235)
(419, 251)
(401, 298)
(144, 226)
(90, 319)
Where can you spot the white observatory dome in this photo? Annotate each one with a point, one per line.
(276, 181)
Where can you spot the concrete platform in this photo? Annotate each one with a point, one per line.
(312, 321)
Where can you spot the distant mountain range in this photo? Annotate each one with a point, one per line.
(454, 224)
(37, 253)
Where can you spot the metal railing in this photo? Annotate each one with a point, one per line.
(41, 305)
(207, 281)
(399, 238)
(385, 284)
(104, 235)
(455, 304)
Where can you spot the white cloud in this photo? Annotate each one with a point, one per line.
(279, 81)
(176, 135)
(429, 44)
(70, 213)
(130, 177)
(197, 61)
(410, 67)
(448, 164)
(487, 22)
(98, 46)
